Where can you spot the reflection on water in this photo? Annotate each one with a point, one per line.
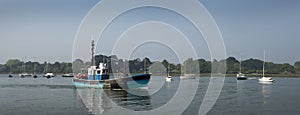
(130, 101)
(57, 95)
(98, 101)
(266, 90)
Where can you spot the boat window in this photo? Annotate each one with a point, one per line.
(99, 71)
(104, 71)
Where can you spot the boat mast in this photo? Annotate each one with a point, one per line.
(241, 65)
(145, 65)
(168, 69)
(34, 67)
(46, 70)
(264, 63)
(10, 69)
(24, 67)
(93, 72)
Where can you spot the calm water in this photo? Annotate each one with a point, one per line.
(58, 96)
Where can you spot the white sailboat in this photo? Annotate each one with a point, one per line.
(265, 79)
(24, 74)
(168, 78)
(187, 76)
(240, 75)
(34, 69)
(48, 74)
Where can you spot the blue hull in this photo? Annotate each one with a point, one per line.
(133, 82)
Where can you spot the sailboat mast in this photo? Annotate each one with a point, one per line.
(10, 69)
(23, 67)
(34, 67)
(264, 63)
(46, 70)
(241, 65)
(168, 69)
(145, 64)
(93, 72)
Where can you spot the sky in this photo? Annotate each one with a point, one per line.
(45, 30)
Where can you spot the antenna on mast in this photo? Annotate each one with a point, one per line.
(92, 49)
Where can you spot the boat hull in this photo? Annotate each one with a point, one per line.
(266, 79)
(136, 81)
(187, 77)
(168, 79)
(66, 75)
(241, 78)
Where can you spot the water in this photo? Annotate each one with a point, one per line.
(58, 96)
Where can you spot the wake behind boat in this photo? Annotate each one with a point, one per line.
(98, 77)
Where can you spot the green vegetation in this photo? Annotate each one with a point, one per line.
(16, 66)
(249, 66)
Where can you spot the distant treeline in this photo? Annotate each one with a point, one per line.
(190, 66)
(16, 66)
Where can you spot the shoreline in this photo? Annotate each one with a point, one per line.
(216, 75)
(234, 75)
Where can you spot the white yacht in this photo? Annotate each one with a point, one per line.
(265, 79)
(168, 78)
(240, 75)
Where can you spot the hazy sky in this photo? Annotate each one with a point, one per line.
(45, 29)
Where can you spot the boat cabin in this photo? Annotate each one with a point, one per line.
(98, 73)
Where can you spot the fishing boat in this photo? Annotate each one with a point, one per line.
(240, 75)
(265, 79)
(98, 77)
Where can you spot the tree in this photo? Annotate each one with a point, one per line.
(287, 68)
(232, 65)
(78, 64)
(165, 63)
(297, 67)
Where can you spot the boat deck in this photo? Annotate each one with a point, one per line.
(105, 84)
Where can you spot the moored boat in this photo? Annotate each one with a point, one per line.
(22, 75)
(49, 75)
(67, 75)
(169, 77)
(265, 79)
(187, 76)
(240, 75)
